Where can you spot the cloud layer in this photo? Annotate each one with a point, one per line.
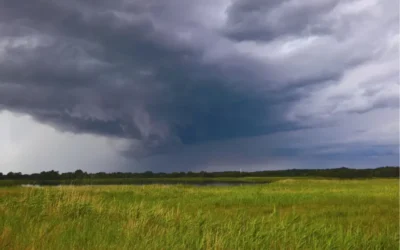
(291, 77)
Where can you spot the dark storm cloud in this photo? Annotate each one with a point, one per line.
(268, 20)
(164, 74)
(110, 69)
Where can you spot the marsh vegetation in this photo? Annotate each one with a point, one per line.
(286, 214)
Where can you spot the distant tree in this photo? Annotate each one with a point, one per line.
(16, 175)
(49, 175)
(202, 174)
(148, 174)
(343, 172)
(79, 174)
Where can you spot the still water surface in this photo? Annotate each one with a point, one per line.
(141, 183)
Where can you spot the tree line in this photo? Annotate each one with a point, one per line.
(343, 172)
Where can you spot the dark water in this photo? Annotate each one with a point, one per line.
(210, 183)
(141, 183)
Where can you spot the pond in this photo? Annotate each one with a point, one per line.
(148, 182)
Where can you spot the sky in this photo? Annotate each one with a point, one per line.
(214, 85)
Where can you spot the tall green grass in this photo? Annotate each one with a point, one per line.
(288, 214)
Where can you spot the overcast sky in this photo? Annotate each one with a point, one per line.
(136, 85)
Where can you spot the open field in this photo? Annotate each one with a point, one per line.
(286, 214)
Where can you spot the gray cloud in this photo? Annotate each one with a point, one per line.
(268, 20)
(169, 74)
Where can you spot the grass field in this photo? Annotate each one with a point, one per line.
(286, 214)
